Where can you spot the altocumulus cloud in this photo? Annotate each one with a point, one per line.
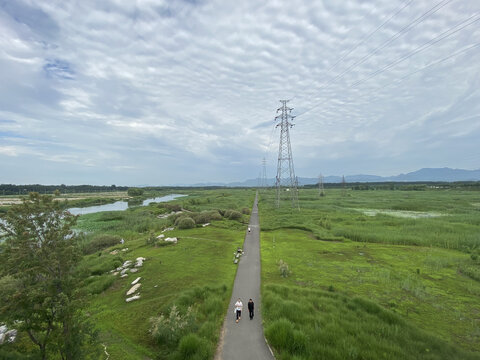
(164, 92)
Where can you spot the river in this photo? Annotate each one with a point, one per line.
(120, 205)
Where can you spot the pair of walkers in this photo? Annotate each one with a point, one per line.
(239, 307)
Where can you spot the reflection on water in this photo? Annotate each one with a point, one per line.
(120, 205)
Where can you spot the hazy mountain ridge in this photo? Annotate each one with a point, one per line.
(425, 174)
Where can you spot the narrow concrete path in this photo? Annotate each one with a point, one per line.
(245, 340)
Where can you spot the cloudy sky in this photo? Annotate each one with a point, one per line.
(178, 92)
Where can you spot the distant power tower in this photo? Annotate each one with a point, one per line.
(263, 181)
(344, 190)
(321, 190)
(286, 182)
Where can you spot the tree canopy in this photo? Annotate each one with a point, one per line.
(38, 277)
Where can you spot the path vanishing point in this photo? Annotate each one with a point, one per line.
(245, 340)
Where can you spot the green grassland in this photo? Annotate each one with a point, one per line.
(197, 272)
(194, 276)
(410, 270)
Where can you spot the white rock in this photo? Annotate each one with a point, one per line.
(133, 289)
(119, 268)
(115, 273)
(161, 236)
(126, 249)
(127, 263)
(3, 329)
(139, 263)
(123, 271)
(172, 239)
(205, 224)
(136, 280)
(11, 335)
(136, 297)
(133, 270)
(2, 338)
(140, 258)
(124, 275)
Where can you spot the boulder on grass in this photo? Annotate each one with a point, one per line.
(135, 297)
(133, 289)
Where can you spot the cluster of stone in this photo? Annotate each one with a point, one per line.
(133, 290)
(164, 216)
(127, 267)
(115, 252)
(168, 239)
(6, 335)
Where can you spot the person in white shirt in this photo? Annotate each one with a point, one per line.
(238, 309)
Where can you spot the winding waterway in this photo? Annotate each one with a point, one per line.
(120, 205)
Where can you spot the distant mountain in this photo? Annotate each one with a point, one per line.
(425, 174)
(439, 174)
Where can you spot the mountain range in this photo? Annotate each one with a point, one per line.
(425, 174)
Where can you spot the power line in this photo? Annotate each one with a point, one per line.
(421, 48)
(399, 33)
(370, 35)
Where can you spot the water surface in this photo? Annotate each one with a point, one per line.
(120, 205)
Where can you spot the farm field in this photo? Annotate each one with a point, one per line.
(378, 263)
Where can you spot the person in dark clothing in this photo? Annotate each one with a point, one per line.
(250, 308)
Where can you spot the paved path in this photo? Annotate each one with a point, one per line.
(245, 340)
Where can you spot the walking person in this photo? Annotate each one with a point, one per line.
(238, 309)
(250, 308)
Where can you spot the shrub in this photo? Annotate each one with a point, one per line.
(246, 211)
(233, 214)
(186, 223)
(100, 242)
(283, 268)
(172, 207)
(135, 192)
(192, 347)
(206, 216)
(280, 334)
(168, 330)
(100, 284)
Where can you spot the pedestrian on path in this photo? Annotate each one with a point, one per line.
(250, 308)
(238, 309)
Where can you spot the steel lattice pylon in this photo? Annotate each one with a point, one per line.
(264, 182)
(286, 182)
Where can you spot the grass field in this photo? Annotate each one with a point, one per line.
(331, 248)
(185, 286)
(366, 275)
(198, 271)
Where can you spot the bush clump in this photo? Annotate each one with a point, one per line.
(185, 223)
(135, 192)
(206, 216)
(169, 330)
(100, 242)
(100, 284)
(193, 347)
(233, 214)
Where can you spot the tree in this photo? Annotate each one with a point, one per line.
(135, 192)
(38, 278)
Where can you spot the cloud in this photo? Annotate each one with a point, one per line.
(174, 92)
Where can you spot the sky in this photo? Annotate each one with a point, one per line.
(156, 92)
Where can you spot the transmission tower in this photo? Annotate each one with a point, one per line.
(263, 182)
(286, 182)
(321, 190)
(344, 190)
